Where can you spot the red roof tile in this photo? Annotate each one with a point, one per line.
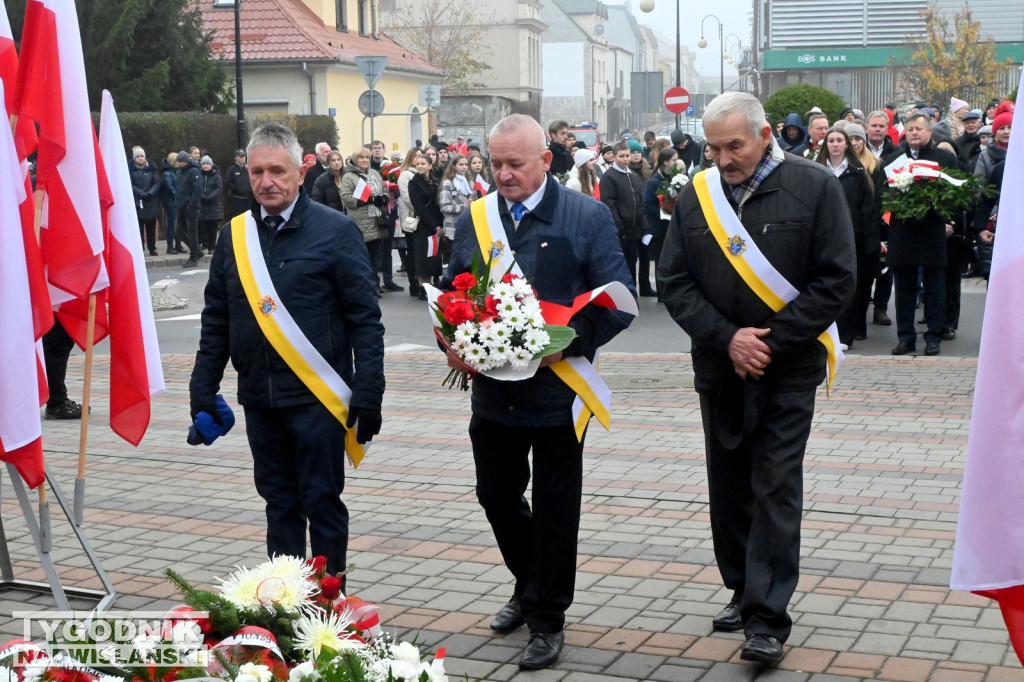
(287, 30)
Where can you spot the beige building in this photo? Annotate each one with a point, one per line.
(298, 58)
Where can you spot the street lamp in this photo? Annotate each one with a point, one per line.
(239, 105)
(648, 6)
(702, 43)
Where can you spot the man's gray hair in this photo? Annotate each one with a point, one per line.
(276, 135)
(743, 102)
(877, 113)
(321, 146)
(516, 122)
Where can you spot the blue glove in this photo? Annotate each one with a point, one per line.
(207, 428)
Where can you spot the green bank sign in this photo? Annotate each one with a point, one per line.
(859, 57)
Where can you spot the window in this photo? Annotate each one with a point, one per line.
(341, 11)
(363, 8)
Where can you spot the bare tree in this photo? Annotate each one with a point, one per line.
(442, 32)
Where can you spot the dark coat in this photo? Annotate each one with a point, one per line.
(146, 188)
(968, 148)
(211, 204)
(326, 192)
(566, 246)
(312, 173)
(652, 207)
(188, 190)
(797, 142)
(919, 242)
(426, 204)
(322, 272)
(238, 189)
(168, 185)
(561, 159)
(860, 199)
(799, 220)
(623, 194)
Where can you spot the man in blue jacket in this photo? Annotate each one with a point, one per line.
(316, 273)
(566, 244)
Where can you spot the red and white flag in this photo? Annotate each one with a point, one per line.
(135, 370)
(363, 191)
(988, 557)
(20, 429)
(481, 185)
(433, 245)
(51, 91)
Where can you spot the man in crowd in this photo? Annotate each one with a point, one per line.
(877, 128)
(686, 149)
(561, 159)
(881, 145)
(237, 186)
(756, 365)
(320, 269)
(793, 137)
(318, 168)
(919, 245)
(196, 153)
(187, 197)
(567, 245)
(377, 154)
(817, 129)
(968, 145)
(622, 191)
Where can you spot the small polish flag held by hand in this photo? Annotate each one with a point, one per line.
(363, 192)
(481, 185)
(432, 245)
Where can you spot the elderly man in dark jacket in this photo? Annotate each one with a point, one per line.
(757, 360)
(187, 199)
(566, 245)
(321, 272)
(146, 188)
(915, 244)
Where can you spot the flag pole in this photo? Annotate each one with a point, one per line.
(83, 437)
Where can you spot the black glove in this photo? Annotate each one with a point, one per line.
(209, 406)
(380, 200)
(368, 425)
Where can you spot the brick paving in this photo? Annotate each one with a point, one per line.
(882, 471)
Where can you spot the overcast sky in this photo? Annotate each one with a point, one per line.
(735, 16)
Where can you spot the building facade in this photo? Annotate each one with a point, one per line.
(576, 56)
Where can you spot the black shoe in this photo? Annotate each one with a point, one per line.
(510, 618)
(948, 334)
(932, 348)
(422, 295)
(728, 619)
(763, 649)
(648, 293)
(860, 337)
(181, 250)
(190, 263)
(153, 252)
(68, 409)
(881, 318)
(542, 651)
(171, 252)
(391, 286)
(902, 349)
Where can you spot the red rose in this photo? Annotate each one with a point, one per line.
(458, 312)
(449, 297)
(508, 278)
(464, 282)
(318, 564)
(330, 587)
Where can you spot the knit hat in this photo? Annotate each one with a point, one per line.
(183, 157)
(138, 151)
(635, 146)
(677, 136)
(957, 104)
(1003, 119)
(985, 130)
(308, 159)
(205, 160)
(582, 156)
(607, 148)
(973, 115)
(927, 111)
(856, 130)
(858, 113)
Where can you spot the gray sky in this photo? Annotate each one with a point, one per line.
(735, 16)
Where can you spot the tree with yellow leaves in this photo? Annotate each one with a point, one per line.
(952, 60)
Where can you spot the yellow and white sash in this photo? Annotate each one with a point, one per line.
(490, 233)
(284, 334)
(742, 253)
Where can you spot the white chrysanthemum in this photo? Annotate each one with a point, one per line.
(903, 181)
(503, 292)
(536, 340)
(522, 287)
(318, 631)
(289, 583)
(245, 677)
(530, 305)
(403, 670)
(240, 587)
(500, 355)
(466, 330)
(478, 362)
(514, 318)
(304, 669)
(404, 651)
(473, 351)
(459, 345)
(520, 358)
(260, 672)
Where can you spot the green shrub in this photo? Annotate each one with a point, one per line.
(800, 98)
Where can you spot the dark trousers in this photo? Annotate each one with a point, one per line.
(631, 251)
(169, 218)
(187, 229)
(207, 231)
(147, 230)
(853, 321)
(373, 249)
(934, 280)
(644, 262)
(955, 258)
(538, 545)
(883, 290)
(57, 347)
(387, 244)
(299, 468)
(755, 441)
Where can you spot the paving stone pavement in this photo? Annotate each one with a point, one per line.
(882, 479)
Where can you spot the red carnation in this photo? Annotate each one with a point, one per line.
(464, 282)
(330, 587)
(509, 277)
(458, 312)
(491, 305)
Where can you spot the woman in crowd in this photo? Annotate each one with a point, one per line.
(211, 204)
(637, 162)
(604, 161)
(456, 193)
(423, 195)
(860, 198)
(705, 161)
(582, 177)
(327, 187)
(479, 168)
(656, 222)
(997, 146)
(146, 188)
(407, 216)
(368, 213)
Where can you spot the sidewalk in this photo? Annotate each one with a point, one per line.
(882, 481)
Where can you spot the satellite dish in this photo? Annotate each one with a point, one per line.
(599, 29)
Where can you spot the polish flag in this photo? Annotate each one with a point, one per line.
(481, 185)
(20, 429)
(433, 243)
(988, 557)
(51, 91)
(135, 370)
(363, 192)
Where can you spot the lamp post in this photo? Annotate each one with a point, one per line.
(648, 6)
(239, 106)
(702, 43)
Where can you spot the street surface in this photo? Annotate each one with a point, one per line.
(882, 483)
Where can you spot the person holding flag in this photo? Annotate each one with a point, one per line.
(366, 202)
(759, 306)
(291, 301)
(480, 174)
